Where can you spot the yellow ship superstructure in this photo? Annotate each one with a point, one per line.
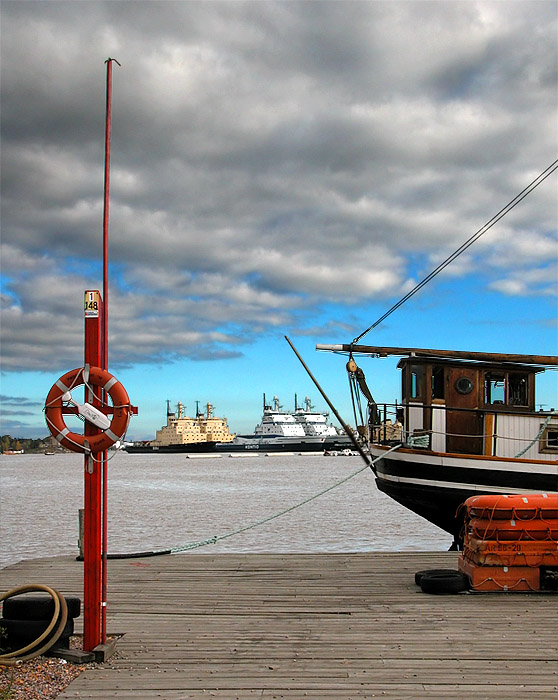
(181, 429)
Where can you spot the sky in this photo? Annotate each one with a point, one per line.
(277, 169)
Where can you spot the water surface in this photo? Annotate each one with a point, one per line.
(164, 501)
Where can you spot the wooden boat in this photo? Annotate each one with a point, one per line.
(468, 426)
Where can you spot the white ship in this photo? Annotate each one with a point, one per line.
(313, 422)
(301, 430)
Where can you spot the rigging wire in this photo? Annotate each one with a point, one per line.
(514, 202)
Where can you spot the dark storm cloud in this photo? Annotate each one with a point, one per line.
(268, 158)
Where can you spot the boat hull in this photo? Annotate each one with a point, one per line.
(192, 447)
(285, 444)
(434, 485)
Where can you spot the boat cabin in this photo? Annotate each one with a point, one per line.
(475, 407)
(459, 404)
(472, 402)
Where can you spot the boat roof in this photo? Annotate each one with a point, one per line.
(428, 353)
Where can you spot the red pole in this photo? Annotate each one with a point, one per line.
(92, 488)
(106, 212)
(104, 333)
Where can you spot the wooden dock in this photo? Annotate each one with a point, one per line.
(298, 626)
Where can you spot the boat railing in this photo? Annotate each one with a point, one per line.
(486, 431)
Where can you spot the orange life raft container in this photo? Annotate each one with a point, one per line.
(510, 541)
(515, 529)
(508, 507)
(511, 553)
(501, 578)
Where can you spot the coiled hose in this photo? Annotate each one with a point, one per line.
(58, 622)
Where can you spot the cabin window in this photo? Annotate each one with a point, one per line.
(495, 388)
(518, 390)
(416, 382)
(438, 383)
(510, 388)
(549, 439)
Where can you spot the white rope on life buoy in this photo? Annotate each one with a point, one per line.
(60, 393)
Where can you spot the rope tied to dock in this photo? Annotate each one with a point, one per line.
(217, 538)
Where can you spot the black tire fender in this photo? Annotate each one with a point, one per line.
(449, 582)
(20, 633)
(435, 572)
(37, 607)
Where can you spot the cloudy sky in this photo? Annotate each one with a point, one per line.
(278, 168)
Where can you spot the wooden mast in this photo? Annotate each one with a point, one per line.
(449, 354)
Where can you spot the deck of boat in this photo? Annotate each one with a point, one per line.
(336, 626)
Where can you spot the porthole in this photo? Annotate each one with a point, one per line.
(464, 385)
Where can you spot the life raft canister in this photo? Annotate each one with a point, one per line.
(515, 529)
(518, 506)
(96, 377)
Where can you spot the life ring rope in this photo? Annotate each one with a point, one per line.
(91, 388)
(93, 378)
(63, 388)
(79, 448)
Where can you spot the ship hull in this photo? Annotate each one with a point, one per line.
(283, 444)
(192, 447)
(434, 485)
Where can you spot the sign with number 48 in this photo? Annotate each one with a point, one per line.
(92, 304)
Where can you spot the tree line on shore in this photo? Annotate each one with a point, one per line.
(9, 443)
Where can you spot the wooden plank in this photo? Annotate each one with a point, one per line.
(307, 626)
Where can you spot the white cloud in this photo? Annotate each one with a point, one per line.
(267, 159)
(539, 282)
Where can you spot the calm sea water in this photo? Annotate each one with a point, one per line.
(165, 501)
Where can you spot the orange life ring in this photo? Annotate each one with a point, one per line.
(105, 381)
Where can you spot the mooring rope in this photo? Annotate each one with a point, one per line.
(464, 246)
(217, 538)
